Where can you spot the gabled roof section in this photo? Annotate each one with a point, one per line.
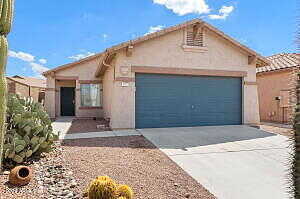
(280, 62)
(65, 66)
(261, 61)
(28, 81)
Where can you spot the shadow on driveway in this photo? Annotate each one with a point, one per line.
(182, 138)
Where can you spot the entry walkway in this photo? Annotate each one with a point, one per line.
(63, 124)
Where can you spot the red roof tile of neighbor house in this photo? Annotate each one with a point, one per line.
(29, 81)
(280, 62)
(105, 55)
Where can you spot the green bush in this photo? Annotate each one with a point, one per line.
(29, 132)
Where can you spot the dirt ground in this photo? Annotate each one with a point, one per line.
(277, 129)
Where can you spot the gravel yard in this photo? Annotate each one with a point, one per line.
(52, 179)
(134, 161)
(65, 172)
(86, 126)
(276, 129)
(8, 191)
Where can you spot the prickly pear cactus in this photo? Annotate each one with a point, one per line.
(6, 16)
(29, 132)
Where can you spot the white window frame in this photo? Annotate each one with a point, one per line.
(100, 93)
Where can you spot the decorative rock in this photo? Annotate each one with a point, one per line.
(187, 195)
(6, 172)
(54, 179)
(73, 184)
(69, 195)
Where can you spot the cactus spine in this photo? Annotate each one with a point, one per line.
(125, 191)
(295, 168)
(6, 15)
(102, 189)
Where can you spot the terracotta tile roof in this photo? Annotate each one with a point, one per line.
(280, 62)
(30, 81)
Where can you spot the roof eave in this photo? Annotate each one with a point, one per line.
(62, 67)
(104, 64)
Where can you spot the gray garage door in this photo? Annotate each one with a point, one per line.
(180, 101)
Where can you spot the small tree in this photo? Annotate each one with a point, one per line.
(6, 15)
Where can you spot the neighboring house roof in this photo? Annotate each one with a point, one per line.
(280, 62)
(261, 61)
(29, 81)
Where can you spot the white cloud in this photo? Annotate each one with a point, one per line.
(183, 7)
(21, 55)
(223, 13)
(38, 69)
(153, 29)
(104, 36)
(43, 61)
(81, 56)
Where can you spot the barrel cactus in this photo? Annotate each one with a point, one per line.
(29, 130)
(103, 187)
(6, 16)
(125, 191)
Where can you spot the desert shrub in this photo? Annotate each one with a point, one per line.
(29, 132)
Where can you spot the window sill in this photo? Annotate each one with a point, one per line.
(198, 49)
(90, 107)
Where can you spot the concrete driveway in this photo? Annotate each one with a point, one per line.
(232, 162)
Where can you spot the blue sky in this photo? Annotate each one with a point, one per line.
(47, 34)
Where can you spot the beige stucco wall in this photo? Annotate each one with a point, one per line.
(270, 85)
(108, 91)
(50, 102)
(83, 71)
(166, 51)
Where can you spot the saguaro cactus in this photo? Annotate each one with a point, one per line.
(295, 170)
(6, 16)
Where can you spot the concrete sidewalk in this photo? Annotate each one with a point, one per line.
(232, 162)
(63, 124)
(100, 134)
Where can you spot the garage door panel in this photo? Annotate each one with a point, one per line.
(173, 101)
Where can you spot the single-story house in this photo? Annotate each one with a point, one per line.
(276, 87)
(191, 74)
(27, 87)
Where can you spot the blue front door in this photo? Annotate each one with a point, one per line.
(181, 101)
